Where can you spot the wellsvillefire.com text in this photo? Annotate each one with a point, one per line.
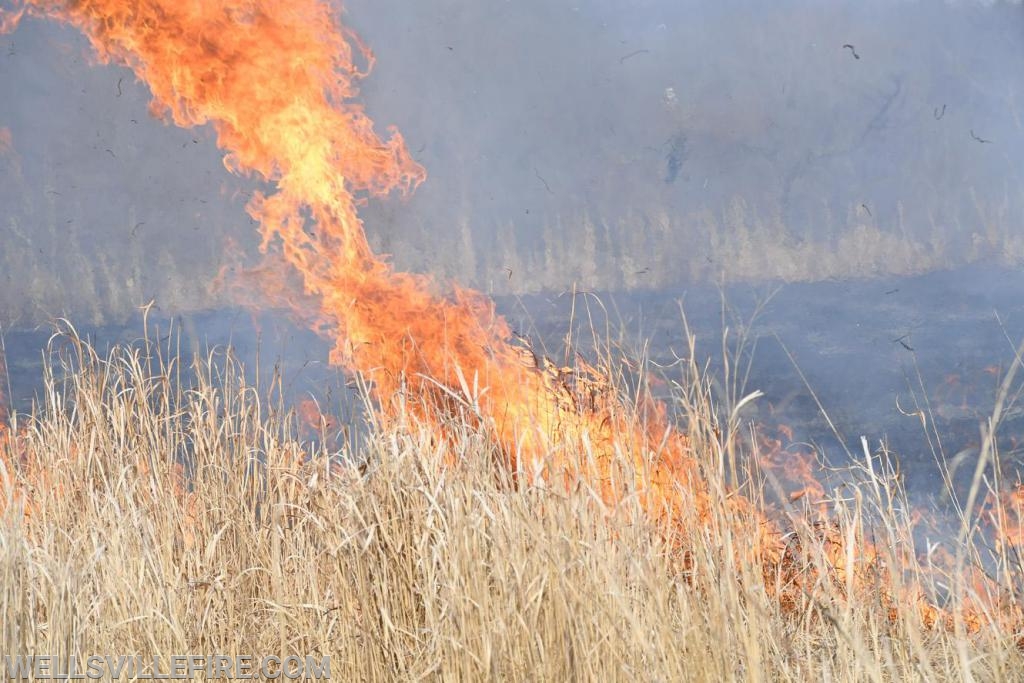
(173, 668)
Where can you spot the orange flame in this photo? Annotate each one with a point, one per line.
(8, 447)
(316, 424)
(276, 81)
(5, 406)
(1006, 515)
(795, 465)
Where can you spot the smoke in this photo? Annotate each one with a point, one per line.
(644, 144)
(619, 145)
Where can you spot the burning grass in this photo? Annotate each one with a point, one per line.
(506, 517)
(156, 508)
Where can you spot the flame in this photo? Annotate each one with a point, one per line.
(21, 476)
(795, 465)
(276, 81)
(311, 418)
(1006, 516)
(316, 425)
(5, 405)
(8, 442)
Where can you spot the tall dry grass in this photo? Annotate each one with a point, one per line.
(158, 509)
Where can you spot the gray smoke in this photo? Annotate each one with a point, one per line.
(618, 145)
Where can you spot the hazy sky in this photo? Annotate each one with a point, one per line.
(618, 144)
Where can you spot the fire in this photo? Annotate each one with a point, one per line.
(797, 465)
(5, 406)
(312, 419)
(1006, 515)
(276, 81)
(8, 446)
(317, 425)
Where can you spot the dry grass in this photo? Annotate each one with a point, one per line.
(403, 568)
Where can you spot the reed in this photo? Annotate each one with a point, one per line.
(157, 506)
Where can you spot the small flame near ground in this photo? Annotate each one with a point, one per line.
(276, 82)
(795, 465)
(1005, 514)
(5, 398)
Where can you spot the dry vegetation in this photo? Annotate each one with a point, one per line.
(173, 510)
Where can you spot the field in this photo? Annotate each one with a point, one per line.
(158, 506)
(495, 513)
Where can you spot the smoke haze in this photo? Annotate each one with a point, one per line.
(616, 145)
